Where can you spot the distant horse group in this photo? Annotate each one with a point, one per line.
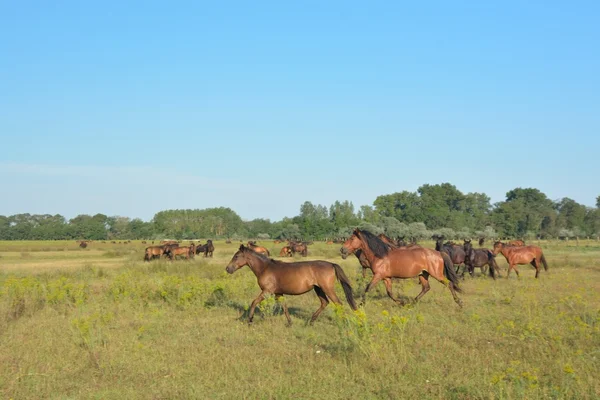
(172, 250)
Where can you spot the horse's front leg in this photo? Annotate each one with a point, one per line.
(374, 281)
(257, 300)
(388, 289)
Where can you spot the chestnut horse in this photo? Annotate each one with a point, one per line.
(516, 243)
(280, 278)
(285, 252)
(258, 249)
(406, 262)
(185, 251)
(521, 255)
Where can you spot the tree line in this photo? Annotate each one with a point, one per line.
(433, 209)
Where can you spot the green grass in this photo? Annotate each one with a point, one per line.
(100, 323)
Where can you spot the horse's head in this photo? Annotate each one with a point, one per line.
(238, 260)
(467, 245)
(352, 244)
(498, 246)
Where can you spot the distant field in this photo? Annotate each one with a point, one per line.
(100, 323)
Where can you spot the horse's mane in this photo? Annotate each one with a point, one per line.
(377, 246)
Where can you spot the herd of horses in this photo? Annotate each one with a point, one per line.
(387, 259)
(172, 250)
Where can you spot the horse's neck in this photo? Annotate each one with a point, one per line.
(257, 265)
(368, 253)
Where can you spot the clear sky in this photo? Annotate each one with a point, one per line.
(129, 108)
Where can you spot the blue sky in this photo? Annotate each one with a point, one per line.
(129, 109)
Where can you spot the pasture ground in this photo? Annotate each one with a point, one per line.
(100, 323)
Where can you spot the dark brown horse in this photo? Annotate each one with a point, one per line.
(521, 255)
(406, 262)
(301, 248)
(456, 253)
(285, 252)
(207, 248)
(479, 258)
(280, 278)
(258, 249)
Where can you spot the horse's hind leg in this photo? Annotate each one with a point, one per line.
(324, 303)
(424, 285)
(388, 289)
(285, 309)
(536, 266)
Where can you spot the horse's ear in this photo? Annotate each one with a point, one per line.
(242, 248)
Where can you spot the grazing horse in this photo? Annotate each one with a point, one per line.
(456, 253)
(521, 255)
(406, 262)
(301, 248)
(285, 252)
(258, 249)
(280, 278)
(478, 258)
(516, 242)
(207, 248)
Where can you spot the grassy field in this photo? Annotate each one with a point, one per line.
(100, 323)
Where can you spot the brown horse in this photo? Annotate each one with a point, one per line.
(479, 258)
(280, 278)
(456, 253)
(207, 248)
(259, 249)
(285, 252)
(153, 252)
(301, 248)
(516, 243)
(521, 255)
(183, 251)
(402, 263)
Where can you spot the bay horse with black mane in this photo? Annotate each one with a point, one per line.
(295, 278)
(479, 258)
(405, 262)
(521, 255)
(456, 253)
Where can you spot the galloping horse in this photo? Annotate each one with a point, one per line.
(279, 278)
(456, 253)
(258, 249)
(521, 255)
(478, 258)
(406, 262)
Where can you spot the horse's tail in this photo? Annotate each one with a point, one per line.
(492, 263)
(449, 271)
(341, 276)
(543, 260)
